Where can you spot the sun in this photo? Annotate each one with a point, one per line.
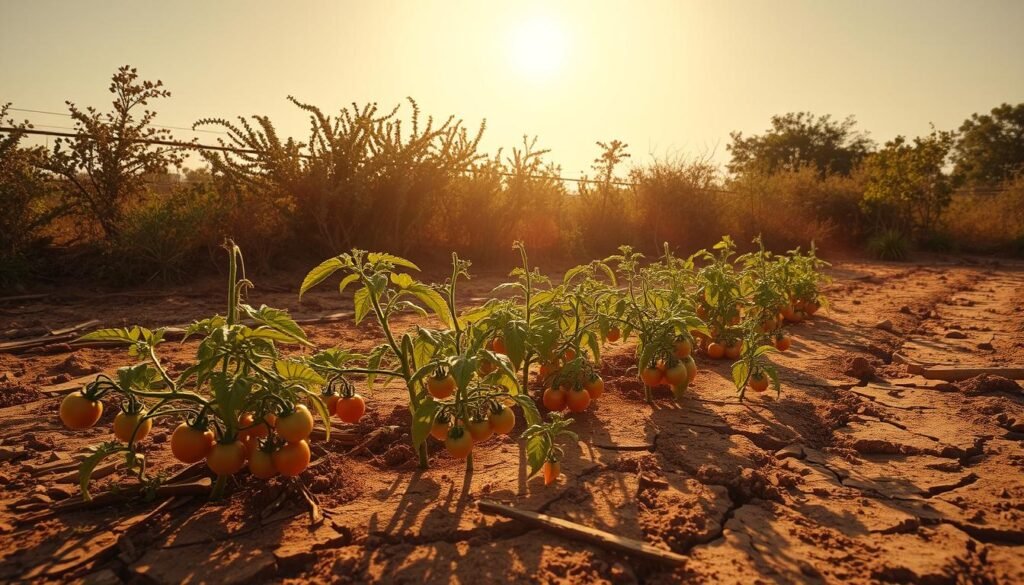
(537, 47)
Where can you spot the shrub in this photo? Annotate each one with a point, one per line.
(890, 244)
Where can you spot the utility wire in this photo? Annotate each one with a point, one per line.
(66, 115)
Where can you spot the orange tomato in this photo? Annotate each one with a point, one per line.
(332, 403)
(351, 408)
(292, 459)
(459, 443)
(733, 350)
(651, 377)
(716, 351)
(758, 382)
(554, 399)
(189, 444)
(261, 464)
(677, 374)
(683, 348)
(577, 400)
(552, 469)
(296, 425)
(78, 412)
(440, 427)
(613, 334)
(442, 387)
(691, 368)
(479, 430)
(124, 426)
(503, 420)
(594, 386)
(569, 355)
(260, 431)
(782, 342)
(226, 458)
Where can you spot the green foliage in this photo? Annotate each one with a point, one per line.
(27, 202)
(990, 149)
(798, 140)
(889, 244)
(907, 187)
(107, 164)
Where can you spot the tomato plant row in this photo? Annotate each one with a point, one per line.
(243, 403)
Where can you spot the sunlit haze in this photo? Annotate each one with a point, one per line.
(667, 77)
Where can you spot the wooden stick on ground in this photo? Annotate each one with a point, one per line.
(956, 373)
(585, 533)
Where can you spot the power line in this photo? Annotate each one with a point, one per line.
(66, 115)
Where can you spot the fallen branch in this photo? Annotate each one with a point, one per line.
(956, 373)
(576, 531)
(197, 487)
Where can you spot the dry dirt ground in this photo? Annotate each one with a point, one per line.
(862, 478)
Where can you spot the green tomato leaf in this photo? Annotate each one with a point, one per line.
(422, 420)
(321, 272)
(537, 448)
(363, 304)
(298, 373)
(375, 257)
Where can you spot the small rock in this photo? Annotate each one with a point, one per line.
(954, 334)
(855, 301)
(58, 492)
(905, 310)
(794, 450)
(861, 369)
(884, 325)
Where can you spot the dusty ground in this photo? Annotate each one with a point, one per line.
(890, 479)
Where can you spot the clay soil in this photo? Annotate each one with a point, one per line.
(858, 473)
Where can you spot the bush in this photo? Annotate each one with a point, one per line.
(891, 244)
(987, 221)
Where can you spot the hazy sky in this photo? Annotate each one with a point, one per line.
(668, 77)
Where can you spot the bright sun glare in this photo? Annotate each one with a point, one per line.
(538, 46)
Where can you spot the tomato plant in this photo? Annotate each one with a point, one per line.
(237, 383)
(542, 449)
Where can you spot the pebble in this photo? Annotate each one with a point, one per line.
(884, 325)
(954, 334)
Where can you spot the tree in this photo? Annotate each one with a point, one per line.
(107, 162)
(798, 140)
(906, 188)
(26, 202)
(991, 146)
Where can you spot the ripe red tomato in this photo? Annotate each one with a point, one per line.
(296, 425)
(577, 400)
(503, 420)
(782, 342)
(716, 351)
(548, 369)
(351, 408)
(594, 386)
(554, 399)
(479, 430)
(292, 459)
(332, 403)
(124, 426)
(261, 464)
(226, 458)
(569, 355)
(733, 350)
(459, 443)
(651, 377)
(613, 334)
(78, 412)
(441, 388)
(189, 444)
(552, 469)
(498, 345)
